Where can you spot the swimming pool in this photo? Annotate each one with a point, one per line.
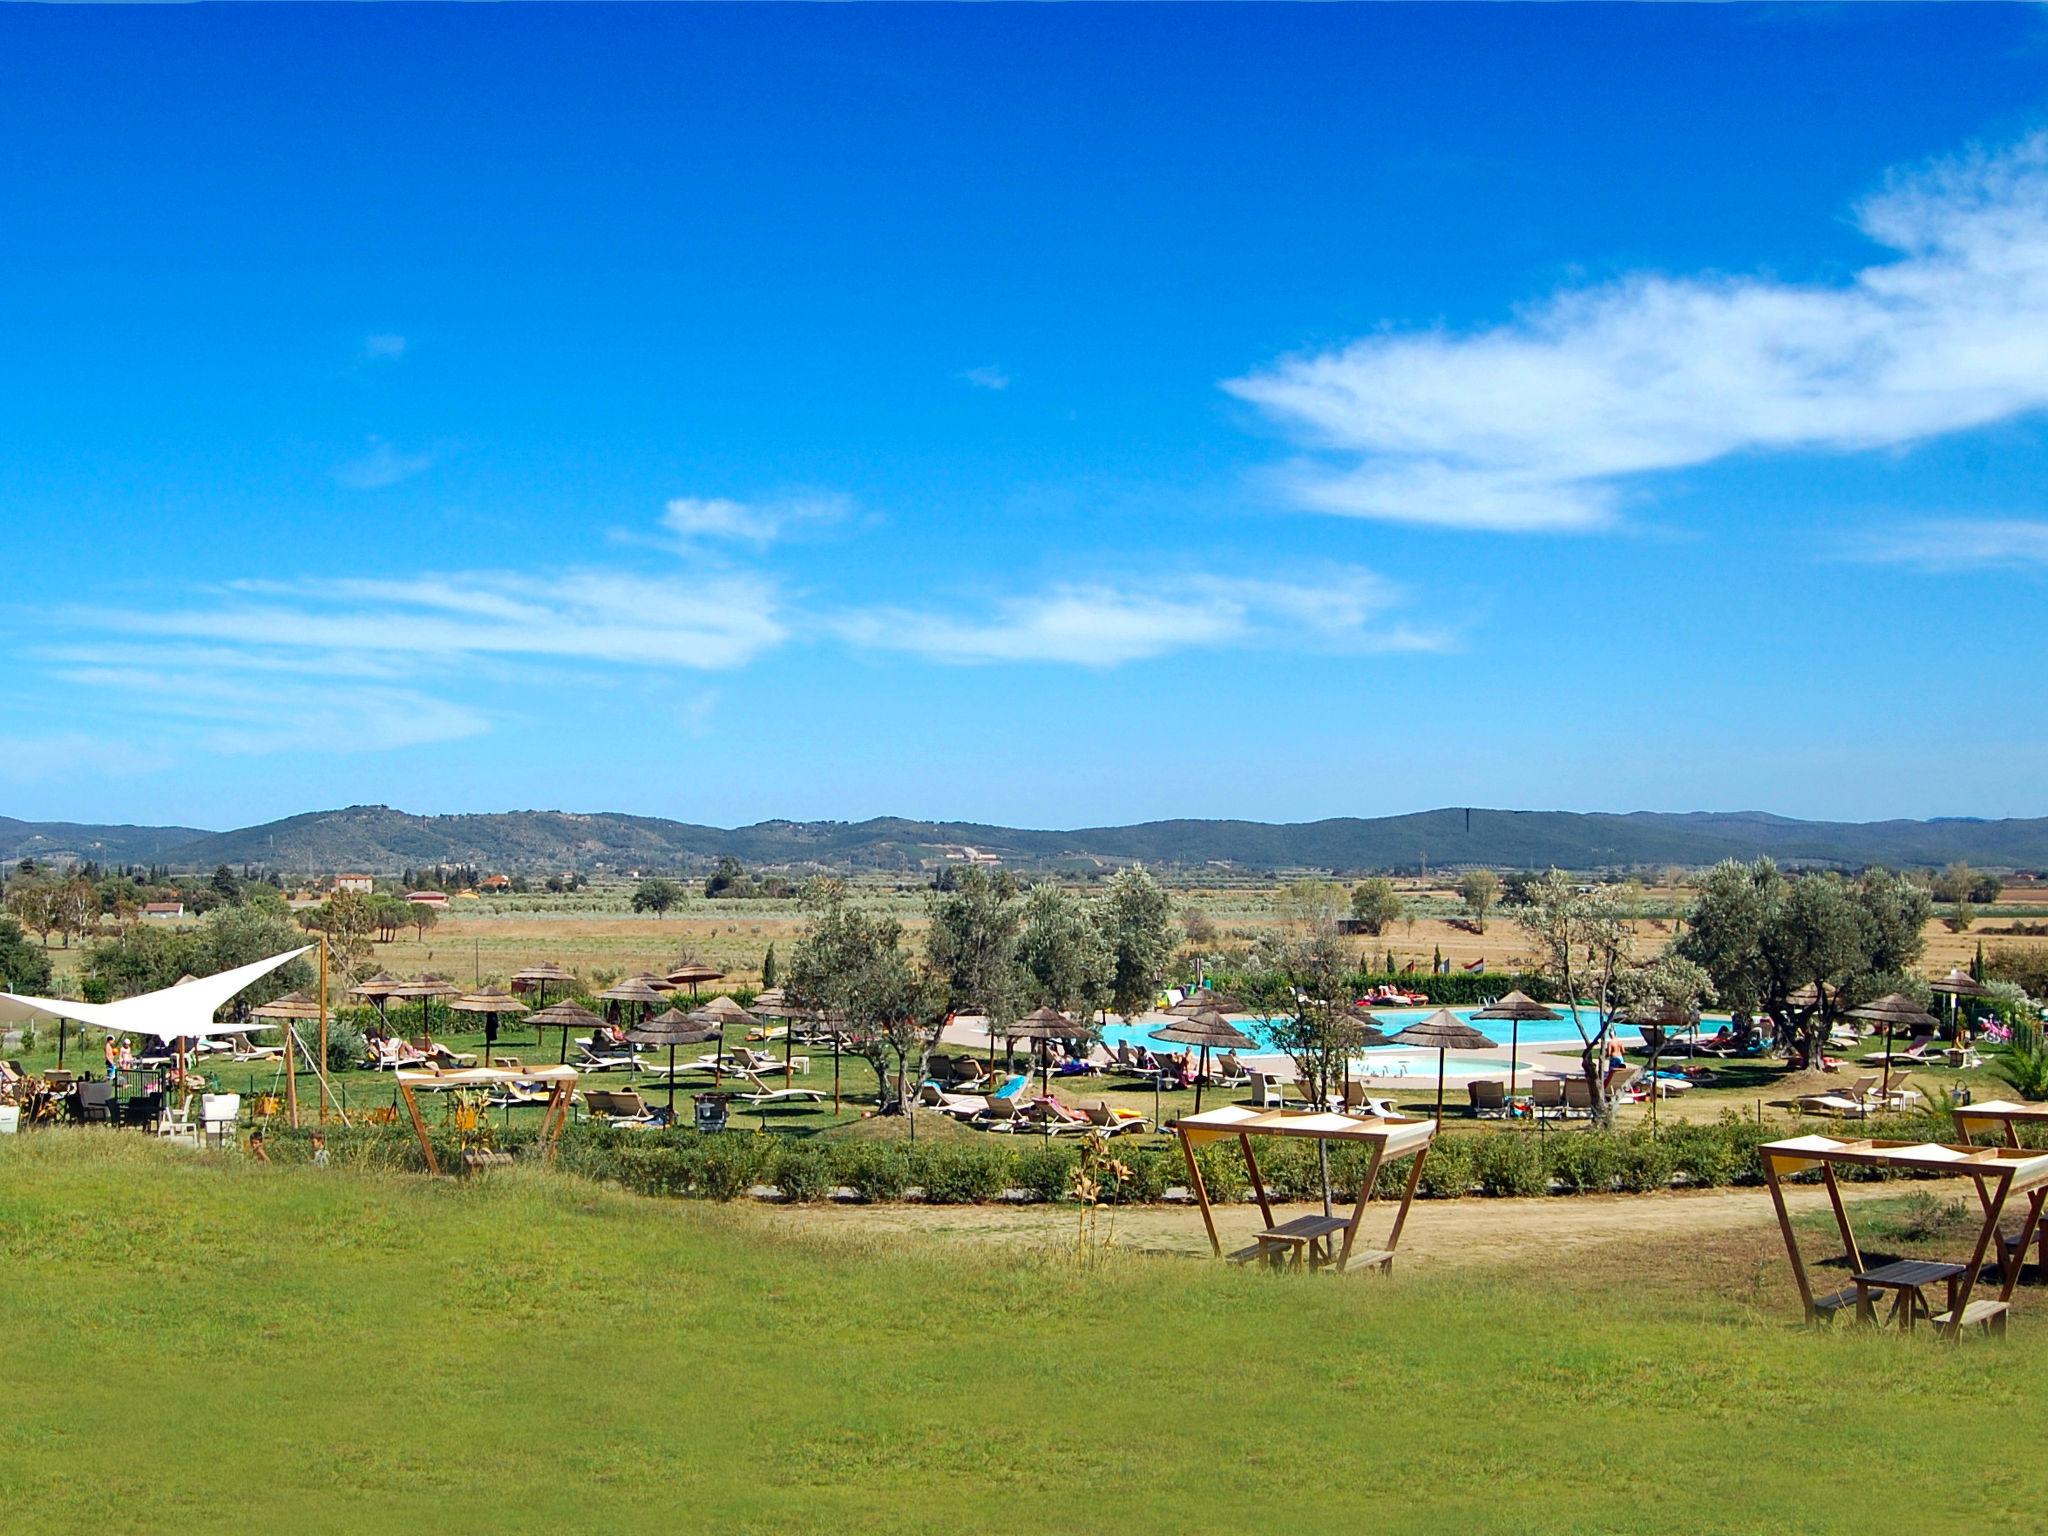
(1532, 1032)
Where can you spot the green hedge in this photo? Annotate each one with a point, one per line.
(1456, 989)
(1503, 1162)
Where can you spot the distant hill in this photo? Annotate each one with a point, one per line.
(65, 840)
(377, 838)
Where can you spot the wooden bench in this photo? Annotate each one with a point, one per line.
(1822, 1309)
(1302, 1241)
(1381, 1259)
(1987, 1315)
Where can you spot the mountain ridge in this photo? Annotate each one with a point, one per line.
(380, 839)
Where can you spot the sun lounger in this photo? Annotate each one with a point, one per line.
(764, 1094)
(765, 1063)
(1052, 1118)
(1226, 1071)
(1489, 1098)
(617, 1106)
(1578, 1097)
(441, 1056)
(1361, 1101)
(605, 1059)
(995, 1114)
(1112, 1121)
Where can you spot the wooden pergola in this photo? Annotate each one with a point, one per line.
(1997, 1173)
(561, 1083)
(1306, 1239)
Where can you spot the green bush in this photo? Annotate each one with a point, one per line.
(874, 1170)
(964, 1174)
(804, 1173)
(1223, 1173)
(1645, 1162)
(1154, 1170)
(1585, 1162)
(1510, 1163)
(1046, 1172)
(1704, 1155)
(734, 1164)
(1447, 1170)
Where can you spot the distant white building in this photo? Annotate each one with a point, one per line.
(163, 909)
(427, 898)
(361, 884)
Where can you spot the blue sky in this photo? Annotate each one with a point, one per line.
(1055, 416)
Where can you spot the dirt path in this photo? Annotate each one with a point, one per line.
(1456, 1232)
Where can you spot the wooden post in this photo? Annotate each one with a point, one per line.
(1791, 1242)
(1372, 1173)
(323, 1028)
(1969, 1280)
(1251, 1166)
(1407, 1200)
(1187, 1151)
(291, 1075)
(1849, 1248)
(419, 1127)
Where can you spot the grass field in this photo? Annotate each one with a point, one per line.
(195, 1341)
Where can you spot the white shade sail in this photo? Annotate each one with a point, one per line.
(184, 1011)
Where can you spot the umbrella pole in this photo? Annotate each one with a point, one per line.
(835, 1074)
(1514, 1046)
(1440, 1057)
(1203, 1078)
(323, 1027)
(671, 1082)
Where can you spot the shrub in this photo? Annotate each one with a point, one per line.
(804, 1173)
(1153, 1171)
(1705, 1155)
(1644, 1162)
(874, 1170)
(1046, 1172)
(346, 1047)
(1586, 1162)
(1223, 1173)
(735, 1163)
(1447, 1168)
(965, 1174)
(1510, 1163)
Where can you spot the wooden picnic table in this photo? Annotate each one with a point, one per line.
(1908, 1278)
(1304, 1241)
(1308, 1240)
(1996, 1173)
(2003, 1118)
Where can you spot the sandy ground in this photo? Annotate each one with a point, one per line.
(1439, 1232)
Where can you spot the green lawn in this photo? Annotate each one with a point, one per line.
(195, 1341)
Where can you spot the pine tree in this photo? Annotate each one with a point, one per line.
(768, 969)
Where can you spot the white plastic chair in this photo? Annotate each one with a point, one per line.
(218, 1113)
(10, 1119)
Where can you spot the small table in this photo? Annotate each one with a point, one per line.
(1302, 1241)
(1906, 1277)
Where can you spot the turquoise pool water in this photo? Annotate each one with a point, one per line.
(1392, 1021)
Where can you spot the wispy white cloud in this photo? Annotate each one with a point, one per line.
(588, 615)
(987, 376)
(700, 518)
(1539, 424)
(382, 465)
(1957, 544)
(383, 346)
(1104, 624)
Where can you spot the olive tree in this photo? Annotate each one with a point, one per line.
(1479, 890)
(1375, 906)
(850, 965)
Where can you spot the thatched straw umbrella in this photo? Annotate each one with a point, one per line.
(1208, 1029)
(1516, 1007)
(691, 972)
(634, 989)
(535, 979)
(490, 1002)
(1044, 1024)
(379, 989)
(721, 1011)
(671, 1028)
(1445, 1032)
(1957, 985)
(565, 1017)
(426, 988)
(1893, 1010)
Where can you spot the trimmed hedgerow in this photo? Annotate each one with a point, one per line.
(1505, 1162)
